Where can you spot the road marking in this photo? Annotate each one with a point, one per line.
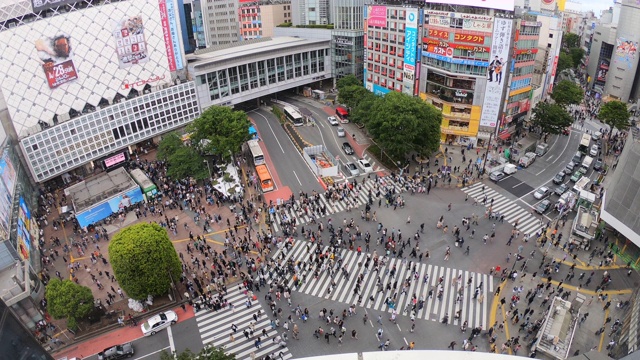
(399, 329)
(405, 341)
(515, 186)
(149, 354)
(541, 171)
(172, 345)
(294, 173)
(563, 150)
(270, 128)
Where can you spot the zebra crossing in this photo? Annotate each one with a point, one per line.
(473, 309)
(215, 328)
(527, 223)
(334, 206)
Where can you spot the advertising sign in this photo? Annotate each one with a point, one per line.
(113, 205)
(441, 21)
(455, 15)
(440, 34)
(377, 16)
(164, 21)
(56, 56)
(476, 39)
(446, 44)
(175, 34)
(131, 45)
(24, 230)
(477, 25)
(499, 55)
(456, 60)
(626, 51)
(8, 173)
(5, 211)
(489, 4)
(39, 5)
(410, 50)
(115, 160)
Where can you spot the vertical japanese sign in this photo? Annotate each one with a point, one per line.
(500, 43)
(410, 50)
(164, 20)
(175, 34)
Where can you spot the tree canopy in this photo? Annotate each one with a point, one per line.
(567, 93)
(144, 260)
(183, 161)
(576, 54)
(564, 62)
(570, 40)
(615, 114)
(66, 299)
(220, 130)
(552, 118)
(168, 145)
(401, 123)
(354, 94)
(207, 353)
(349, 80)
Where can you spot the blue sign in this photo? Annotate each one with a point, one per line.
(411, 44)
(113, 205)
(517, 84)
(456, 61)
(379, 90)
(175, 34)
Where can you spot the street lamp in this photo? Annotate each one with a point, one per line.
(208, 167)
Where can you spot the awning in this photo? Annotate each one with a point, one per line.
(504, 135)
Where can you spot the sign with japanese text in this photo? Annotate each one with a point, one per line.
(440, 50)
(410, 50)
(446, 44)
(440, 34)
(476, 39)
(500, 43)
(164, 20)
(442, 21)
(508, 5)
(175, 34)
(459, 15)
(477, 25)
(377, 16)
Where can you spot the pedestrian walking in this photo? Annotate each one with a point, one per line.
(452, 345)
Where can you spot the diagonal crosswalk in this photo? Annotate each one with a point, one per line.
(424, 277)
(303, 216)
(215, 328)
(527, 223)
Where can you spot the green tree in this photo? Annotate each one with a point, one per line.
(360, 112)
(615, 114)
(564, 62)
(66, 299)
(576, 56)
(144, 260)
(186, 162)
(401, 123)
(168, 145)
(570, 40)
(353, 95)
(567, 93)
(349, 80)
(220, 130)
(207, 353)
(552, 118)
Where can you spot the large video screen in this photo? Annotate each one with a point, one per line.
(50, 67)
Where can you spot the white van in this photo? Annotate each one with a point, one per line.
(542, 149)
(596, 136)
(586, 163)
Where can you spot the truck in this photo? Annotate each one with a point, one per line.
(542, 149)
(586, 163)
(527, 159)
(510, 169)
(581, 184)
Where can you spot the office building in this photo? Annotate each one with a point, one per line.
(311, 12)
(347, 38)
(220, 21)
(257, 19)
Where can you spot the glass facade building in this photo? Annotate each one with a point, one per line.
(16, 341)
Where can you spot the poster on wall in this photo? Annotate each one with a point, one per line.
(56, 56)
(626, 51)
(377, 16)
(495, 72)
(113, 205)
(131, 44)
(8, 173)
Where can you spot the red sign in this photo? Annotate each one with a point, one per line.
(456, 46)
(164, 18)
(476, 39)
(440, 50)
(439, 34)
(141, 82)
(60, 73)
(526, 51)
(555, 66)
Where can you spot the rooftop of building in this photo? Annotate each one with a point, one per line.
(247, 48)
(99, 188)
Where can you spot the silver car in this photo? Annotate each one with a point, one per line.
(497, 176)
(352, 169)
(341, 132)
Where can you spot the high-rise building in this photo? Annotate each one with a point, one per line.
(220, 21)
(16, 341)
(257, 19)
(347, 38)
(311, 12)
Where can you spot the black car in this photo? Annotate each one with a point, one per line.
(346, 147)
(117, 352)
(559, 178)
(597, 166)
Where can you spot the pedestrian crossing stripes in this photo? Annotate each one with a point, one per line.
(215, 328)
(372, 162)
(527, 223)
(333, 206)
(457, 296)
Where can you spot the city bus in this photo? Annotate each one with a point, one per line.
(342, 114)
(293, 116)
(256, 152)
(266, 183)
(584, 144)
(148, 187)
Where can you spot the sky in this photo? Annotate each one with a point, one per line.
(595, 5)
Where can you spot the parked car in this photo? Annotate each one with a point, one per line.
(352, 169)
(341, 132)
(541, 193)
(117, 352)
(543, 206)
(497, 176)
(569, 168)
(594, 150)
(597, 166)
(576, 176)
(364, 165)
(346, 147)
(159, 322)
(333, 121)
(561, 189)
(559, 178)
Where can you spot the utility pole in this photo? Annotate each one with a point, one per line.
(486, 153)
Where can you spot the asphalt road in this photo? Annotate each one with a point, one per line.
(288, 162)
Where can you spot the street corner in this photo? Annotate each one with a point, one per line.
(283, 194)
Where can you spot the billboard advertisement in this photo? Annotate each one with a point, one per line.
(500, 43)
(39, 5)
(377, 16)
(410, 51)
(172, 16)
(51, 66)
(113, 205)
(24, 230)
(488, 4)
(8, 173)
(5, 211)
(626, 51)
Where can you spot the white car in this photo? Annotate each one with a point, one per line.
(333, 121)
(541, 193)
(594, 150)
(341, 132)
(365, 166)
(158, 322)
